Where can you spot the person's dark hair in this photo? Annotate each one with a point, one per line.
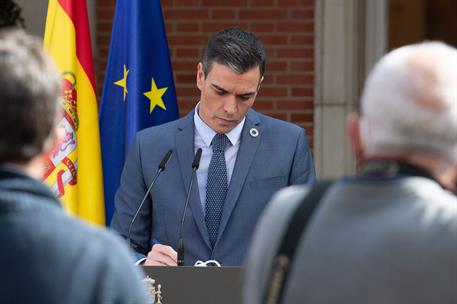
(238, 49)
(10, 14)
(30, 90)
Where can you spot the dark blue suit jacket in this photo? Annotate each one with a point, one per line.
(279, 156)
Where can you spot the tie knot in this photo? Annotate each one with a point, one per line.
(220, 141)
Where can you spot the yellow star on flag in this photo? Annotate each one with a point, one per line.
(123, 82)
(155, 96)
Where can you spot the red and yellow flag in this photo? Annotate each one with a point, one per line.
(74, 171)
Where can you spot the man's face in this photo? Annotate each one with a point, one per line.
(226, 96)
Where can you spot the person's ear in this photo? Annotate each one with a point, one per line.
(260, 82)
(353, 131)
(200, 76)
(455, 179)
(449, 178)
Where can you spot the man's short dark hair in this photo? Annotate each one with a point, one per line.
(30, 88)
(238, 49)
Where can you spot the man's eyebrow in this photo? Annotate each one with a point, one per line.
(247, 94)
(218, 88)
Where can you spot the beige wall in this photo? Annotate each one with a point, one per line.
(350, 37)
(34, 13)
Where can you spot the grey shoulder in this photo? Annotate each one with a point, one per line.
(291, 193)
(438, 206)
(268, 233)
(98, 258)
(443, 210)
(286, 200)
(95, 241)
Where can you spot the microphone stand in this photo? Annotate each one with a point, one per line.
(195, 165)
(161, 168)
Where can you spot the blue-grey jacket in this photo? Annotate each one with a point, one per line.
(279, 156)
(49, 257)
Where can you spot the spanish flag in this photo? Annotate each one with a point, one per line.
(74, 171)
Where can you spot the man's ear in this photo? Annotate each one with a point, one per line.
(453, 179)
(449, 178)
(260, 82)
(200, 76)
(353, 132)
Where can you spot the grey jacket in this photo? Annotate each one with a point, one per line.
(386, 241)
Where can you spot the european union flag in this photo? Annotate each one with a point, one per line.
(139, 91)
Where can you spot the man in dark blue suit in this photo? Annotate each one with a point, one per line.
(246, 157)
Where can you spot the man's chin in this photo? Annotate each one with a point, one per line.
(224, 128)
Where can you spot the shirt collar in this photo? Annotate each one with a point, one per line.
(207, 134)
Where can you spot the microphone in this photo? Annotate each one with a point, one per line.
(161, 168)
(195, 165)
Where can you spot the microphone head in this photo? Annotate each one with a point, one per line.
(196, 162)
(165, 160)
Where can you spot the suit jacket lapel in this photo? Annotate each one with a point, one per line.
(246, 153)
(185, 151)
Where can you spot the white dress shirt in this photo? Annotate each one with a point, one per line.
(202, 139)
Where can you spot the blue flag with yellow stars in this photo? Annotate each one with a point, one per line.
(138, 91)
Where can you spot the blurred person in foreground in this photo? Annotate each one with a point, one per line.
(388, 235)
(47, 256)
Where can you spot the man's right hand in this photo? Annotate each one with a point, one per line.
(161, 255)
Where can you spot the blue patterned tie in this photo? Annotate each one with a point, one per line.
(216, 187)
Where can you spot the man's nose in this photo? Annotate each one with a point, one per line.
(231, 106)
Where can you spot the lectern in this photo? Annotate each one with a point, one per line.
(212, 285)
